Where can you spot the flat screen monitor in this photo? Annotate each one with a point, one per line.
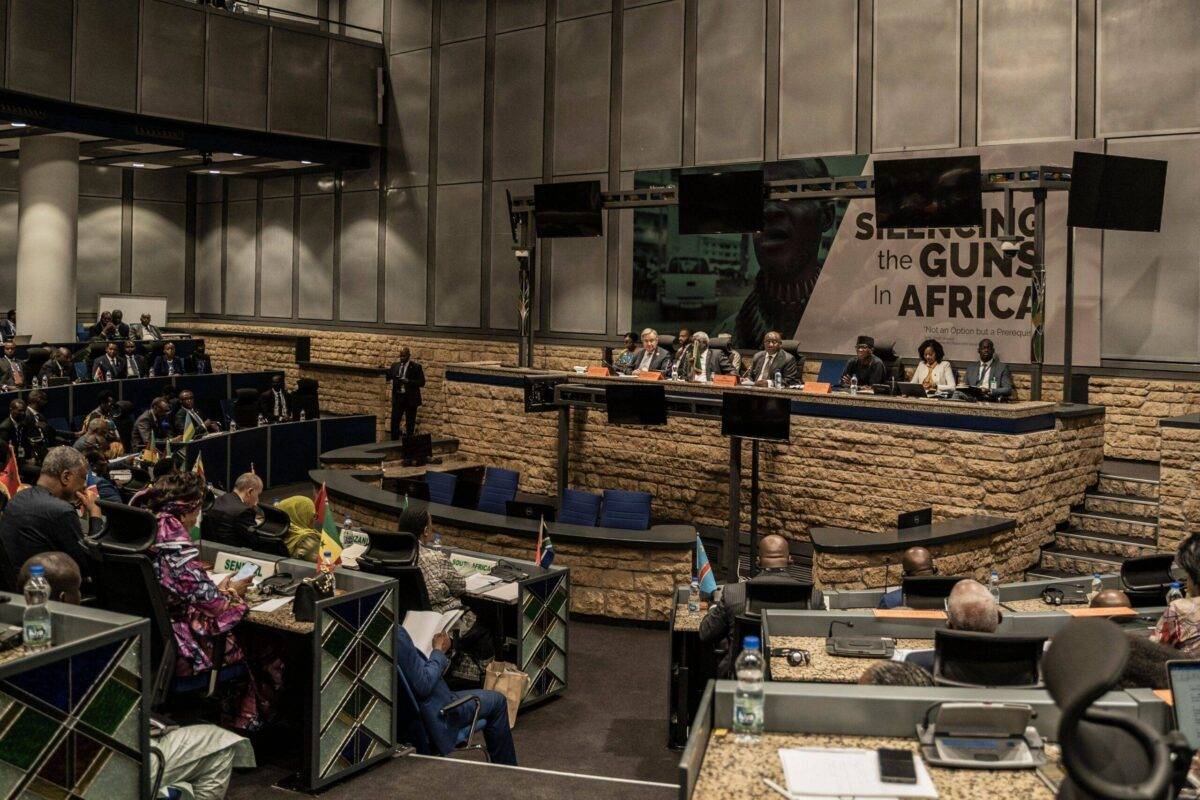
(1116, 193)
(756, 416)
(928, 192)
(913, 519)
(636, 404)
(566, 210)
(721, 202)
(1184, 678)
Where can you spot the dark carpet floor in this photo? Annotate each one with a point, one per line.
(610, 722)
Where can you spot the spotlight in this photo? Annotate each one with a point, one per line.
(306, 163)
(214, 172)
(138, 164)
(17, 124)
(236, 155)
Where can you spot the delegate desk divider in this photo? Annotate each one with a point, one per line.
(78, 714)
(282, 453)
(184, 347)
(347, 676)
(1014, 596)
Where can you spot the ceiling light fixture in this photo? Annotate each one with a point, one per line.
(17, 124)
(214, 172)
(236, 155)
(306, 163)
(138, 164)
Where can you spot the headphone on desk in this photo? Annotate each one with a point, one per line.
(281, 583)
(796, 657)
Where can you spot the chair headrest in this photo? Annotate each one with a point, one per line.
(306, 385)
(38, 352)
(1085, 659)
(1147, 572)
(247, 395)
(129, 530)
(791, 346)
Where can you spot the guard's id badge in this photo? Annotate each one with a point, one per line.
(21, 451)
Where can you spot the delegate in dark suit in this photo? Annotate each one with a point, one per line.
(764, 366)
(230, 521)
(276, 403)
(110, 367)
(656, 360)
(990, 373)
(12, 369)
(407, 378)
(711, 362)
(424, 677)
(132, 365)
(153, 425)
(167, 366)
(27, 441)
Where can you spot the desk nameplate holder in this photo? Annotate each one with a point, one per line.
(982, 736)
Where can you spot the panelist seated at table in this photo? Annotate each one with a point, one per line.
(970, 607)
(58, 366)
(231, 519)
(199, 362)
(104, 328)
(730, 599)
(154, 425)
(12, 369)
(275, 404)
(168, 363)
(133, 365)
(189, 414)
(916, 562)
(934, 372)
(624, 360)
(699, 362)
(38, 400)
(1179, 625)
(866, 366)
(110, 366)
(989, 373)
(145, 331)
(302, 540)
(772, 359)
(651, 357)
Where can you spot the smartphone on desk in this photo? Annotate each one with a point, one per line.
(896, 766)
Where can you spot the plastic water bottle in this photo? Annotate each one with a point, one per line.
(325, 567)
(1173, 594)
(36, 621)
(778, 379)
(994, 585)
(853, 384)
(694, 597)
(302, 417)
(748, 697)
(437, 540)
(1095, 590)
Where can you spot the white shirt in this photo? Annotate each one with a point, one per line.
(943, 374)
(644, 365)
(985, 372)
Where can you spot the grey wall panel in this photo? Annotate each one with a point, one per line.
(520, 98)
(460, 112)
(916, 74)
(242, 188)
(730, 100)
(505, 288)
(8, 249)
(363, 14)
(237, 97)
(652, 86)
(456, 293)
(39, 47)
(358, 260)
(462, 19)
(98, 251)
(354, 180)
(159, 240)
(513, 14)
(1156, 276)
(172, 62)
(10, 169)
(208, 258)
(316, 256)
(316, 184)
(567, 9)
(405, 256)
(352, 106)
(240, 252)
(1026, 70)
(278, 187)
(153, 184)
(277, 257)
(581, 95)
(106, 38)
(1147, 66)
(409, 25)
(408, 121)
(299, 87)
(99, 181)
(818, 60)
(209, 188)
(309, 8)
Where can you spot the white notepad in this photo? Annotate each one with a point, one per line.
(478, 582)
(846, 772)
(274, 604)
(422, 625)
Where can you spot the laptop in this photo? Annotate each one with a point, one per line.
(908, 389)
(913, 519)
(527, 510)
(1184, 677)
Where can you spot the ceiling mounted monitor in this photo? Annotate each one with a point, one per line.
(1116, 193)
(568, 210)
(928, 193)
(721, 202)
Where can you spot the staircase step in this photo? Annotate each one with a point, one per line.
(1133, 487)
(1104, 544)
(1124, 505)
(1075, 562)
(1139, 527)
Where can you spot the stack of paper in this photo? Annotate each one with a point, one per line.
(839, 772)
(422, 625)
(477, 582)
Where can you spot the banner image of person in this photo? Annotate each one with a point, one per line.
(744, 285)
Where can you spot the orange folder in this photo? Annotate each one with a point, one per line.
(1165, 696)
(909, 613)
(816, 387)
(725, 380)
(598, 372)
(649, 376)
(1101, 612)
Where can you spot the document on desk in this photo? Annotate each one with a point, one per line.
(351, 553)
(477, 582)
(505, 592)
(846, 772)
(423, 625)
(274, 604)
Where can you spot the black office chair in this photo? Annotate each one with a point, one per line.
(969, 658)
(1147, 579)
(792, 348)
(245, 407)
(411, 727)
(1106, 754)
(35, 358)
(394, 555)
(307, 398)
(927, 591)
(269, 534)
(762, 594)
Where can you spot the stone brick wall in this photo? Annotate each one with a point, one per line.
(968, 557)
(1178, 487)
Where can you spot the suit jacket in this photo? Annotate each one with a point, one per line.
(146, 427)
(1000, 371)
(424, 676)
(23, 436)
(230, 521)
(199, 366)
(126, 372)
(122, 331)
(782, 362)
(160, 365)
(136, 330)
(51, 369)
(406, 391)
(922, 658)
(8, 330)
(110, 369)
(713, 362)
(659, 362)
(266, 405)
(96, 331)
(8, 371)
(873, 372)
(181, 420)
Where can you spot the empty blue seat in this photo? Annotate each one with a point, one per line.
(499, 486)
(441, 487)
(579, 508)
(831, 370)
(622, 509)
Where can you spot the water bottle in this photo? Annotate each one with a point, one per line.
(1173, 594)
(325, 567)
(853, 384)
(748, 697)
(778, 379)
(262, 420)
(694, 597)
(437, 540)
(302, 416)
(347, 523)
(37, 616)
(232, 426)
(1096, 586)
(994, 585)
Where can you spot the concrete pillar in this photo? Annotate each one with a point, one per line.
(47, 224)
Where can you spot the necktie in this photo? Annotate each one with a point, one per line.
(132, 368)
(766, 366)
(171, 366)
(280, 408)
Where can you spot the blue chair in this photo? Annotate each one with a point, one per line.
(81, 332)
(441, 487)
(499, 486)
(831, 370)
(410, 725)
(622, 509)
(579, 508)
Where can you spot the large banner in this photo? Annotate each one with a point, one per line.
(822, 272)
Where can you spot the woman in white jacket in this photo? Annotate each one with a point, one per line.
(934, 372)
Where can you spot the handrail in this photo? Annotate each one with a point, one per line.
(262, 9)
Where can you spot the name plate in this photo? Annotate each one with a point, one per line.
(466, 564)
(350, 537)
(228, 562)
